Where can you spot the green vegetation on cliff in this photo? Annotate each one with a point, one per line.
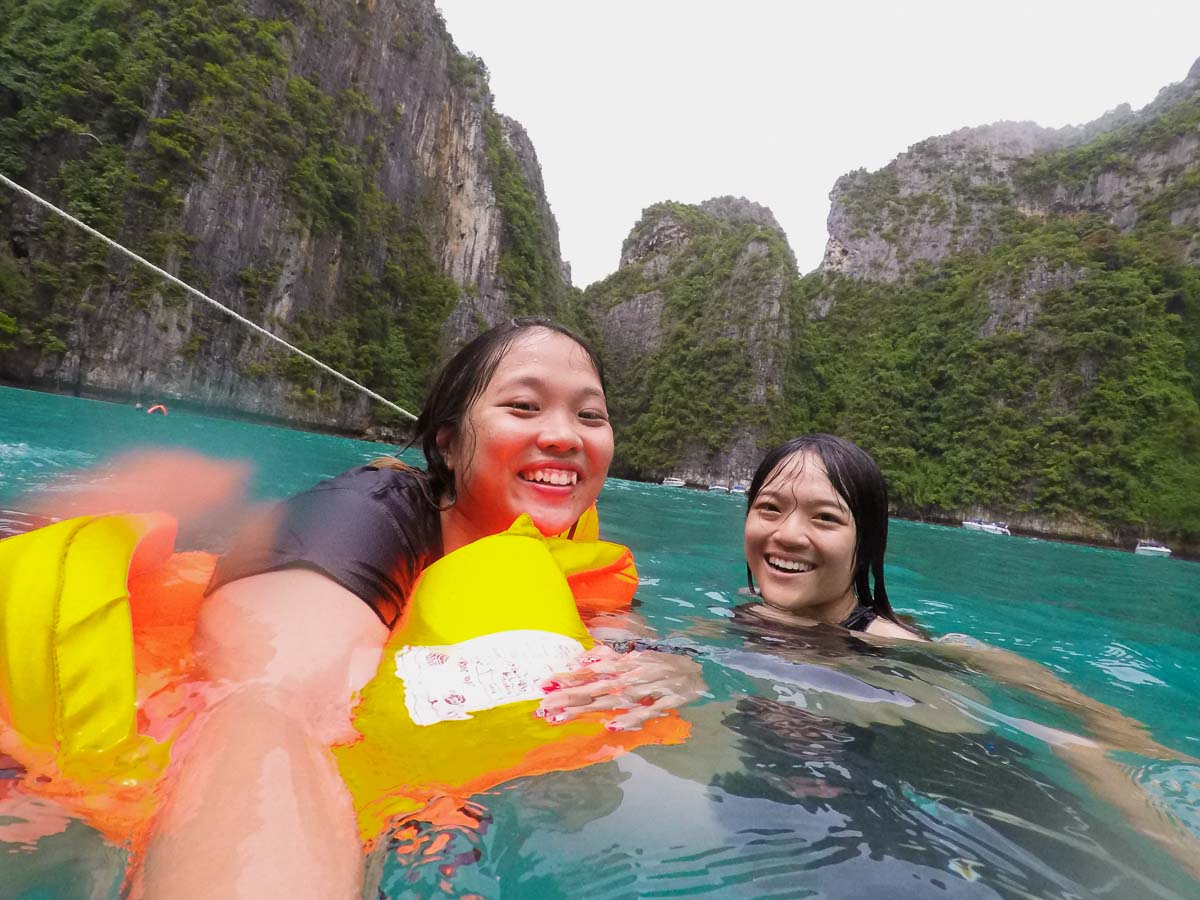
(386, 334)
(1089, 410)
(1051, 372)
(1055, 373)
(692, 393)
(1113, 151)
(133, 96)
(119, 110)
(525, 264)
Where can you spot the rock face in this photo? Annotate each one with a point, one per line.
(957, 192)
(693, 327)
(653, 239)
(1007, 319)
(402, 195)
(740, 211)
(632, 329)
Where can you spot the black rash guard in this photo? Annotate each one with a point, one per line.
(373, 531)
(860, 618)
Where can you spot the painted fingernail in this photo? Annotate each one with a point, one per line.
(548, 686)
(556, 718)
(613, 726)
(540, 713)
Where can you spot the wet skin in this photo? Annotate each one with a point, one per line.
(537, 440)
(799, 543)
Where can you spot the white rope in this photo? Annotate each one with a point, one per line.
(207, 299)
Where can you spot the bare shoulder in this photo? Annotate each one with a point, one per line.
(884, 628)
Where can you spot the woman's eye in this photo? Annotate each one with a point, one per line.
(829, 518)
(522, 405)
(593, 415)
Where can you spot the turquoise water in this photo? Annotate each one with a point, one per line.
(810, 772)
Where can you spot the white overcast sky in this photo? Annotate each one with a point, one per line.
(630, 102)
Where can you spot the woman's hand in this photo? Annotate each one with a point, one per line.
(646, 683)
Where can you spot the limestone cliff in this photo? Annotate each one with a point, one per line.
(1008, 317)
(693, 327)
(962, 191)
(332, 170)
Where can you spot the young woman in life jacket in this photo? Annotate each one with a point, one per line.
(299, 612)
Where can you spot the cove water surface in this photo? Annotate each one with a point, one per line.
(812, 770)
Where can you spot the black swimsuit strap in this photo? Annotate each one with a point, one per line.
(860, 618)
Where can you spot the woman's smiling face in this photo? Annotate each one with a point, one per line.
(537, 440)
(799, 542)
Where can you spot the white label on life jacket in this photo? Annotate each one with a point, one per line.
(452, 681)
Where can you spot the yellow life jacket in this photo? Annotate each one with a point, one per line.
(67, 672)
(450, 712)
(97, 617)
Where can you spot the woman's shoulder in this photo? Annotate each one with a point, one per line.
(887, 628)
(370, 530)
(404, 487)
(373, 478)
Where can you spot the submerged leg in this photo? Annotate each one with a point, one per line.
(259, 810)
(255, 805)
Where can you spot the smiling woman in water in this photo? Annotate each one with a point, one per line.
(814, 538)
(299, 612)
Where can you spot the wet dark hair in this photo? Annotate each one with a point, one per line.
(860, 484)
(459, 384)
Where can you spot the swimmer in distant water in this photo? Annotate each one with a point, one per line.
(298, 616)
(815, 537)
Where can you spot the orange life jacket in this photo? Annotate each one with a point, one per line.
(98, 676)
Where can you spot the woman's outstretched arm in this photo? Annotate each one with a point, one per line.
(1103, 722)
(1112, 730)
(255, 804)
(1112, 782)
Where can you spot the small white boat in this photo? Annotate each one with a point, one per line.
(718, 489)
(738, 488)
(1151, 548)
(989, 527)
(672, 481)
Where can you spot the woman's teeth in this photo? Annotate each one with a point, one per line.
(789, 565)
(552, 476)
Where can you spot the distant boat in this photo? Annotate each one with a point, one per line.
(718, 489)
(989, 527)
(1151, 548)
(672, 481)
(738, 488)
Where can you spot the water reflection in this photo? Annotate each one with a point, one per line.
(824, 766)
